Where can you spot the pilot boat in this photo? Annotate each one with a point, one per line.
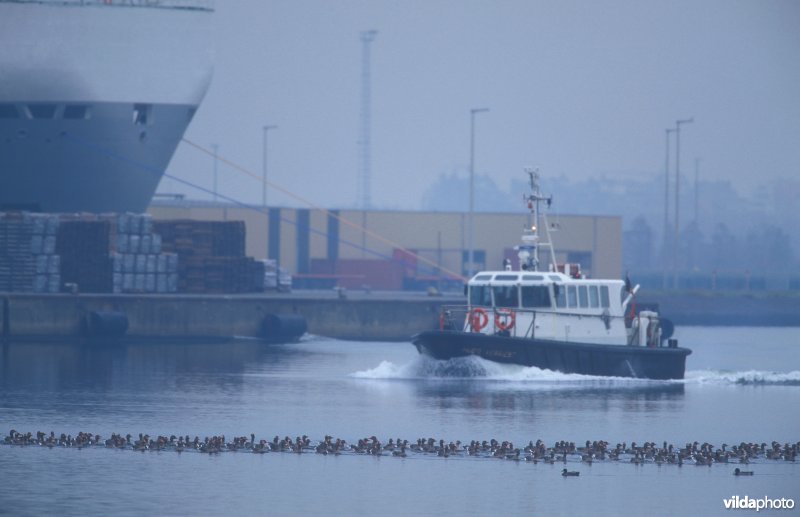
(555, 319)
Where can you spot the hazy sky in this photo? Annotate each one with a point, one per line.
(579, 88)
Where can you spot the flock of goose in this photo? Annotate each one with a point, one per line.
(704, 454)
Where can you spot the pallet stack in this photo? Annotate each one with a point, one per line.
(98, 253)
(211, 256)
(27, 253)
(138, 261)
(43, 250)
(17, 267)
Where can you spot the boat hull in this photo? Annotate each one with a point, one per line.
(584, 358)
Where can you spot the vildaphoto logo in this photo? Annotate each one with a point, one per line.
(764, 503)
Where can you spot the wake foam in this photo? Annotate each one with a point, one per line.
(477, 368)
(750, 377)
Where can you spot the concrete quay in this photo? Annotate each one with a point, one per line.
(375, 316)
(358, 316)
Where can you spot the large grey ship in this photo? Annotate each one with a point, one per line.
(95, 97)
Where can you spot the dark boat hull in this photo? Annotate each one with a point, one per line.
(583, 358)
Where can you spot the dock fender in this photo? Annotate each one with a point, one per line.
(105, 324)
(282, 328)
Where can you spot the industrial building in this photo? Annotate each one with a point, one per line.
(390, 249)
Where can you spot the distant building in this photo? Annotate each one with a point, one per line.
(398, 249)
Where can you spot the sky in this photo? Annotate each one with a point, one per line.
(579, 88)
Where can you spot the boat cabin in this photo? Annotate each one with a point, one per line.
(547, 305)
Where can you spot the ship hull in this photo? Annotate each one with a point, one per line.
(95, 99)
(661, 363)
(103, 163)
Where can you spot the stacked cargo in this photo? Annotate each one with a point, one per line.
(27, 253)
(43, 250)
(97, 253)
(17, 267)
(138, 261)
(211, 256)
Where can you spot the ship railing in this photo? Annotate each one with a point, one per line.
(199, 5)
(520, 322)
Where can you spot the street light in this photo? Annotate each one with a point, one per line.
(471, 235)
(264, 171)
(665, 239)
(677, 193)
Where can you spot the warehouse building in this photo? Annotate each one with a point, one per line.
(387, 249)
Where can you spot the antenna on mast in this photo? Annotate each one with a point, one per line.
(528, 251)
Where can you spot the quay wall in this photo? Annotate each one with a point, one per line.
(31, 316)
(708, 308)
(360, 317)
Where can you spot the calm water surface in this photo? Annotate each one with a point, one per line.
(743, 384)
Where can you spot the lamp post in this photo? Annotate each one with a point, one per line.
(264, 170)
(678, 124)
(665, 239)
(471, 236)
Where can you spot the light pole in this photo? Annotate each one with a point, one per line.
(471, 234)
(678, 124)
(665, 239)
(215, 147)
(697, 192)
(264, 170)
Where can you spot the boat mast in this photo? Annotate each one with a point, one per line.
(528, 252)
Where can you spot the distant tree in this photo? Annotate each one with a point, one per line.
(725, 254)
(450, 193)
(637, 246)
(769, 250)
(693, 256)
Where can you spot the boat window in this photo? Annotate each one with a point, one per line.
(560, 293)
(535, 296)
(583, 296)
(480, 295)
(42, 110)
(507, 278)
(483, 277)
(555, 278)
(505, 296)
(572, 296)
(8, 111)
(532, 277)
(604, 296)
(75, 112)
(594, 300)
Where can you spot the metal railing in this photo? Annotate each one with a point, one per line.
(462, 317)
(198, 5)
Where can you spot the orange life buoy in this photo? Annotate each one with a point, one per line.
(504, 319)
(478, 319)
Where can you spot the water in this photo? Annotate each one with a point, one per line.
(743, 384)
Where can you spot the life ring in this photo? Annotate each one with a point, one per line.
(504, 319)
(478, 319)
